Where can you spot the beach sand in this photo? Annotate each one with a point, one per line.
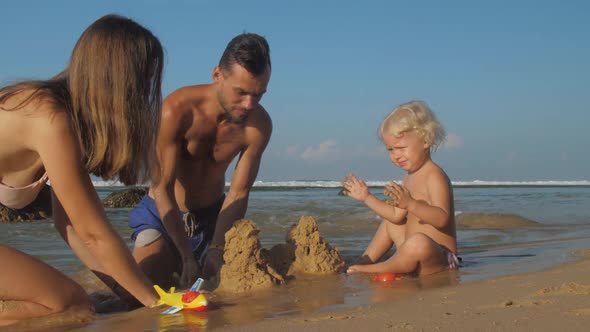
(557, 299)
(309, 295)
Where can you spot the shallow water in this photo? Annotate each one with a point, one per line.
(501, 231)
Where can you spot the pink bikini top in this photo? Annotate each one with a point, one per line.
(18, 198)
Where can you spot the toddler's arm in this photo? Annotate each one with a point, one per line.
(358, 189)
(436, 214)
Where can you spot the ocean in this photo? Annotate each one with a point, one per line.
(503, 228)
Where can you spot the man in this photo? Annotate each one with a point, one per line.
(183, 220)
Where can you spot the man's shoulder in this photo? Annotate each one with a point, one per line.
(196, 89)
(187, 97)
(260, 121)
(261, 116)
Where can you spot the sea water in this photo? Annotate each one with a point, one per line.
(503, 228)
(559, 215)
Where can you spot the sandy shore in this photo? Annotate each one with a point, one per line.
(557, 299)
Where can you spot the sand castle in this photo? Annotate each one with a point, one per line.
(246, 265)
(305, 251)
(249, 267)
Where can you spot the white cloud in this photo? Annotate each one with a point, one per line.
(325, 150)
(292, 150)
(331, 150)
(452, 142)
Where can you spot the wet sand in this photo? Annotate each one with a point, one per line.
(479, 297)
(557, 299)
(554, 299)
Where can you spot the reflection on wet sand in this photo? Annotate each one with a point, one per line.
(487, 254)
(58, 322)
(302, 295)
(147, 320)
(378, 291)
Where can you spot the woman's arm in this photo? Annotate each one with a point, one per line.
(91, 235)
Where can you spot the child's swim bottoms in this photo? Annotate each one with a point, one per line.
(452, 259)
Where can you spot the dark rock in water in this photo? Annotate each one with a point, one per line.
(39, 209)
(127, 198)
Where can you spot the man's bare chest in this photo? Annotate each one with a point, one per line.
(216, 147)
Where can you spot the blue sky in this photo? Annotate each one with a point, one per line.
(509, 80)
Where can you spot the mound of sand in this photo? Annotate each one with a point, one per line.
(249, 267)
(246, 266)
(305, 251)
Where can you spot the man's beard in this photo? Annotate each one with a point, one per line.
(227, 111)
(235, 119)
(230, 117)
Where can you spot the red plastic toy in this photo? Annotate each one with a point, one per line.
(386, 277)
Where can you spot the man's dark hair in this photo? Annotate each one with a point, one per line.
(248, 50)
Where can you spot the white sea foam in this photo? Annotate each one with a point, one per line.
(549, 183)
(336, 184)
(107, 183)
(474, 183)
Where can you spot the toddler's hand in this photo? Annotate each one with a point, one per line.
(355, 188)
(390, 201)
(400, 194)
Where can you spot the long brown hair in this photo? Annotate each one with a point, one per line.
(112, 90)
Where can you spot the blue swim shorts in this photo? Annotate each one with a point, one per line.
(199, 225)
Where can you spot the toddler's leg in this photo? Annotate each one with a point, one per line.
(387, 234)
(419, 253)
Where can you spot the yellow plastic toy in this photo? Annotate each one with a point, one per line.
(191, 300)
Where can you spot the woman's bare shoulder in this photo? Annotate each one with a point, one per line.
(48, 126)
(40, 118)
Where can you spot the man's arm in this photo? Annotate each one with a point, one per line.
(168, 151)
(236, 201)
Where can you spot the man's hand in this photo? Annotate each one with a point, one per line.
(190, 272)
(213, 263)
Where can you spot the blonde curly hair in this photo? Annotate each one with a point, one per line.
(414, 116)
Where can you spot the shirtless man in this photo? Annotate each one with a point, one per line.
(180, 224)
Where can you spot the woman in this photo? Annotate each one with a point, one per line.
(99, 116)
